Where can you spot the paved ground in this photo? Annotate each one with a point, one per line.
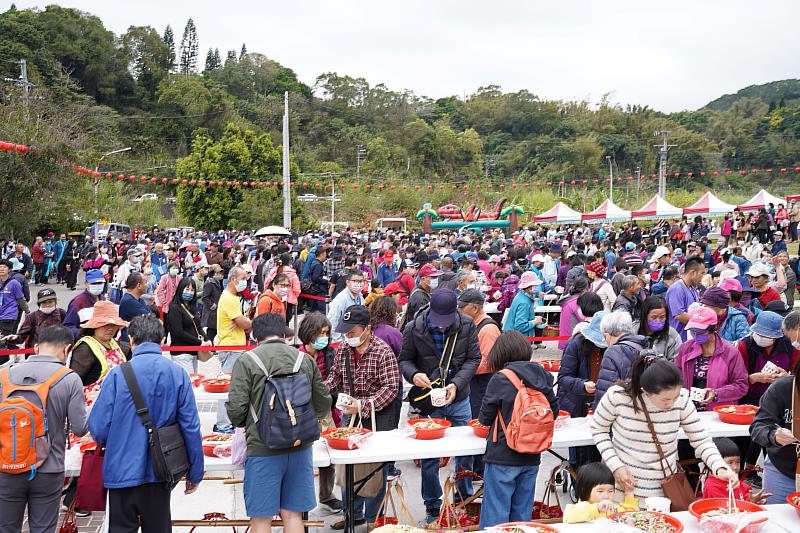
(214, 496)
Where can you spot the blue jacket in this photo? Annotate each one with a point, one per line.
(520, 314)
(386, 274)
(113, 422)
(735, 326)
(617, 362)
(572, 375)
(159, 264)
(779, 246)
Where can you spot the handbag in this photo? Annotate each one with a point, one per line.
(91, 492)
(545, 509)
(69, 524)
(675, 485)
(420, 398)
(167, 448)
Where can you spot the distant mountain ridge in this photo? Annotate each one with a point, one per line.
(772, 93)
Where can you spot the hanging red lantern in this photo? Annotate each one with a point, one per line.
(561, 183)
(702, 174)
(142, 178)
(193, 182)
(366, 187)
(783, 170)
(282, 184)
(477, 185)
(538, 183)
(715, 173)
(430, 187)
(246, 184)
(689, 174)
(549, 183)
(596, 181)
(183, 182)
(228, 183)
(305, 184)
(21, 148)
(121, 177)
(513, 185)
(653, 176)
(275, 184)
(502, 185)
(797, 169)
(729, 172)
(488, 185)
(465, 187)
(572, 182)
(235, 183)
(587, 181)
(153, 180)
(677, 174)
(754, 171)
(742, 172)
(608, 180)
(164, 181)
(109, 176)
(132, 178)
(202, 182)
(769, 170)
(619, 180)
(416, 187)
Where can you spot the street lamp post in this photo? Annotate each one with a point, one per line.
(97, 181)
(611, 179)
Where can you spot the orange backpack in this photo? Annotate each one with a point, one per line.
(24, 442)
(530, 429)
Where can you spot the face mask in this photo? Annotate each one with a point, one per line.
(148, 271)
(187, 296)
(283, 293)
(796, 343)
(219, 277)
(47, 310)
(358, 286)
(656, 325)
(701, 338)
(434, 283)
(762, 341)
(241, 285)
(354, 342)
(320, 343)
(96, 289)
(173, 271)
(136, 260)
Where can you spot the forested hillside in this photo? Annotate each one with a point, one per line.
(190, 111)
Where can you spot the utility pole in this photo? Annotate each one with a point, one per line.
(611, 179)
(24, 84)
(662, 163)
(287, 199)
(360, 153)
(333, 203)
(638, 179)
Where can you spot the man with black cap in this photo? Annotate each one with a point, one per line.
(440, 350)
(48, 314)
(364, 372)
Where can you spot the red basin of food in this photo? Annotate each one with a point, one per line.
(671, 520)
(213, 440)
(430, 434)
(793, 499)
(700, 507)
(537, 525)
(216, 385)
(341, 443)
(551, 365)
(743, 414)
(479, 429)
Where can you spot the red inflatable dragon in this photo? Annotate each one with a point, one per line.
(472, 213)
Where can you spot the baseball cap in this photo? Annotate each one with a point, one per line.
(538, 258)
(777, 306)
(555, 248)
(660, 252)
(429, 270)
(758, 269)
(443, 308)
(471, 296)
(730, 284)
(528, 279)
(44, 295)
(494, 259)
(702, 318)
(388, 255)
(630, 246)
(95, 276)
(355, 315)
(392, 288)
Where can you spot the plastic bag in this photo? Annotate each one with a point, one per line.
(238, 447)
(733, 523)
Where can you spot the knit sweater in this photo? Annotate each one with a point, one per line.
(632, 444)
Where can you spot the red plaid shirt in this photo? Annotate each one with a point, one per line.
(375, 373)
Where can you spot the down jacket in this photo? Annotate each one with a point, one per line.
(617, 362)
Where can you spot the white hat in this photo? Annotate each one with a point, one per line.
(85, 314)
(758, 269)
(660, 252)
(538, 258)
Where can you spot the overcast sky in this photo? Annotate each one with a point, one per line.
(678, 57)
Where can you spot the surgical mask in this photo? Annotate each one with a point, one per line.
(434, 283)
(357, 286)
(187, 296)
(47, 310)
(241, 285)
(701, 338)
(354, 342)
(796, 343)
(173, 271)
(320, 343)
(656, 325)
(148, 271)
(96, 289)
(135, 260)
(283, 292)
(762, 341)
(219, 277)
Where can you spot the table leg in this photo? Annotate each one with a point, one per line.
(349, 481)
(305, 527)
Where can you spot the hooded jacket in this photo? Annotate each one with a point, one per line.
(520, 314)
(735, 326)
(418, 353)
(573, 374)
(617, 362)
(500, 396)
(727, 373)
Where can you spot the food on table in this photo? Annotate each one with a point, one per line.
(647, 521)
(796, 500)
(218, 438)
(428, 424)
(722, 511)
(732, 409)
(344, 433)
(397, 528)
(217, 381)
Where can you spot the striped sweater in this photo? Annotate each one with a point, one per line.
(632, 444)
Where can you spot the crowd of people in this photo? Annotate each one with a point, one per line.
(679, 316)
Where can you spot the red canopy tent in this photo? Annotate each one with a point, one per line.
(708, 204)
(761, 199)
(657, 207)
(607, 211)
(793, 198)
(559, 213)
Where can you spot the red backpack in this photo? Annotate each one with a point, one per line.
(530, 429)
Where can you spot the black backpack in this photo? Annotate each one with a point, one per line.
(287, 418)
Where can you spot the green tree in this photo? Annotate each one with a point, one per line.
(189, 49)
(212, 60)
(149, 56)
(169, 40)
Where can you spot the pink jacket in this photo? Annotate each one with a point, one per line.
(294, 292)
(166, 291)
(570, 316)
(727, 374)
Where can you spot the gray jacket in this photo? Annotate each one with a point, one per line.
(667, 346)
(64, 401)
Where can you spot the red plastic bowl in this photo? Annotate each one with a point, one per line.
(744, 414)
(671, 520)
(216, 385)
(789, 500)
(551, 365)
(197, 379)
(430, 434)
(479, 429)
(340, 443)
(208, 449)
(537, 525)
(699, 507)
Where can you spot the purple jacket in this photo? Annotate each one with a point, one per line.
(570, 315)
(390, 335)
(727, 374)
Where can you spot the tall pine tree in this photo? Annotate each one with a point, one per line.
(231, 56)
(217, 59)
(169, 39)
(212, 60)
(189, 49)
(243, 52)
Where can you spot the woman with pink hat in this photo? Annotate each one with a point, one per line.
(713, 370)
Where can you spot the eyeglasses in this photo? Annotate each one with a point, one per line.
(282, 286)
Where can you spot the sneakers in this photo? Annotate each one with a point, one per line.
(393, 473)
(431, 516)
(228, 431)
(80, 513)
(339, 524)
(332, 506)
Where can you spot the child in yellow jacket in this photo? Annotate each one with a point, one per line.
(594, 486)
